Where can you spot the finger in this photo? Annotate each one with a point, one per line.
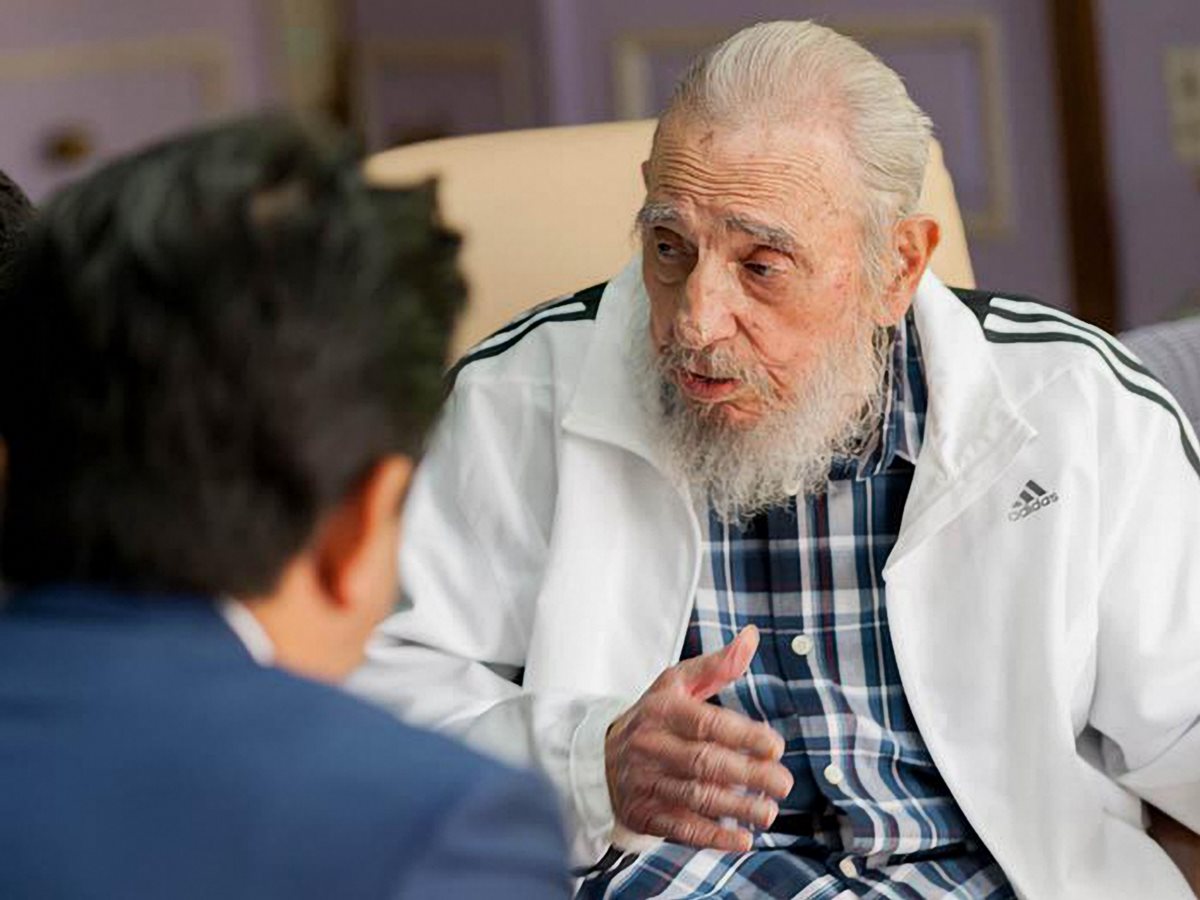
(712, 763)
(683, 826)
(715, 801)
(704, 675)
(707, 723)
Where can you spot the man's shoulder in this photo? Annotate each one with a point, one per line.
(539, 344)
(269, 766)
(350, 767)
(1030, 329)
(1018, 307)
(348, 743)
(1036, 344)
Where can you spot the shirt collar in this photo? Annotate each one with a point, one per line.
(902, 423)
(248, 630)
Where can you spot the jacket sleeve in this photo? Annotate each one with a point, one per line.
(1146, 697)
(476, 529)
(503, 841)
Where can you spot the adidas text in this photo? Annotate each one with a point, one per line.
(1033, 497)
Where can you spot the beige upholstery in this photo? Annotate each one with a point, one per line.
(550, 210)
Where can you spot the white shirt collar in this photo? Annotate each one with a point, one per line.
(248, 630)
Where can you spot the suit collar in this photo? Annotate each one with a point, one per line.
(248, 629)
(193, 619)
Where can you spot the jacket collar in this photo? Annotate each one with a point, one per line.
(608, 405)
(973, 428)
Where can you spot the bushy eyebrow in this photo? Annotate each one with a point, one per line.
(770, 235)
(656, 214)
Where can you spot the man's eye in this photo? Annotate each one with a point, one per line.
(762, 270)
(666, 251)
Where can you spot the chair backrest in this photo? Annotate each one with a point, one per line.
(550, 210)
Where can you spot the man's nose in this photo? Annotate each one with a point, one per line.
(705, 314)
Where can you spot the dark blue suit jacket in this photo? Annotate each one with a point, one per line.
(144, 754)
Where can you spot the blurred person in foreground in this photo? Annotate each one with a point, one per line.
(931, 555)
(15, 214)
(219, 359)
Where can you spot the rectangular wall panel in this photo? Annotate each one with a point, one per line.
(83, 80)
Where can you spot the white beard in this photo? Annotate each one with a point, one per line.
(745, 470)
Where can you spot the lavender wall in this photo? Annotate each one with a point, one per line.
(449, 67)
(1156, 197)
(120, 73)
(575, 51)
(458, 66)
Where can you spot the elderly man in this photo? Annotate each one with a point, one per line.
(800, 574)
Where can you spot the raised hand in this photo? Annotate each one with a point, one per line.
(677, 765)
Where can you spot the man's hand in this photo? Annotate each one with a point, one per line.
(676, 765)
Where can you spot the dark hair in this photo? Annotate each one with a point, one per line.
(205, 348)
(15, 213)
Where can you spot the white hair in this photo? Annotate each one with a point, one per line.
(794, 71)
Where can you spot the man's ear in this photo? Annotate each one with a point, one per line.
(914, 238)
(356, 546)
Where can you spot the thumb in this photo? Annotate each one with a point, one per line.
(704, 675)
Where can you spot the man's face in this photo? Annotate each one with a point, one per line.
(766, 338)
(752, 261)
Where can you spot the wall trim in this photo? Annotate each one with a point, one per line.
(507, 58)
(208, 55)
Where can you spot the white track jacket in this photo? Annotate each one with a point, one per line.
(1049, 650)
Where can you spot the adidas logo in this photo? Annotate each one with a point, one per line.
(1032, 498)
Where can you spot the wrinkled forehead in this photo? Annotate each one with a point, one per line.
(797, 170)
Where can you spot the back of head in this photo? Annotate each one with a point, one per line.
(15, 213)
(204, 349)
(802, 72)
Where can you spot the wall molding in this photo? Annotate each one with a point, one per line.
(207, 56)
(633, 52)
(307, 41)
(505, 58)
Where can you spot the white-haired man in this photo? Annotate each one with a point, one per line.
(800, 574)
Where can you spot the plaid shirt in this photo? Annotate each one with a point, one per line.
(869, 815)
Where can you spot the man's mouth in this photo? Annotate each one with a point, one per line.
(705, 388)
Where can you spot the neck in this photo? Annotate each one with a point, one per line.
(303, 626)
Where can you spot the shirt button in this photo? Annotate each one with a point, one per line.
(802, 645)
(834, 775)
(849, 869)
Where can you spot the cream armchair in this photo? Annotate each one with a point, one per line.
(548, 211)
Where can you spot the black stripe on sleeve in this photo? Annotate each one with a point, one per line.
(980, 303)
(1000, 337)
(521, 326)
(1112, 343)
(514, 324)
